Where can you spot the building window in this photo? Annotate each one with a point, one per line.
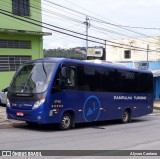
(158, 49)
(127, 54)
(12, 63)
(17, 44)
(21, 7)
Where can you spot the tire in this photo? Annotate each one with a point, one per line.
(126, 117)
(66, 122)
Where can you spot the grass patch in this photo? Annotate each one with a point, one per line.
(156, 108)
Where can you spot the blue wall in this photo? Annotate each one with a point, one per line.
(156, 88)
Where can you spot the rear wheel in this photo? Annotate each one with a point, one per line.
(66, 121)
(126, 117)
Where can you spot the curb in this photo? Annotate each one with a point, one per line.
(9, 124)
(5, 124)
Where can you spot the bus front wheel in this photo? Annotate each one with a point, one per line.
(126, 116)
(66, 121)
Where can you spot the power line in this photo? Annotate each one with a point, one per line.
(89, 36)
(127, 26)
(65, 7)
(121, 34)
(133, 27)
(113, 32)
(28, 21)
(50, 12)
(98, 19)
(110, 31)
(76, 33)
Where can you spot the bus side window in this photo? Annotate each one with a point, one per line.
(65, 78)
(71, 76)
(56, 84)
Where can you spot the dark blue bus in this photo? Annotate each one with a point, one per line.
(66, 91)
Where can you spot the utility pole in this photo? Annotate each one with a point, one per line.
(105, 52)
(87, 26)
(147, 51)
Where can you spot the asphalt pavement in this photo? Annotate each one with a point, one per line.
(4, 122)
(3, 119)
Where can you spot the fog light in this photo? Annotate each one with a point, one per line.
(8, 103)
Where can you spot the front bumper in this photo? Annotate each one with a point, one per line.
(28, 115)
(36, 115)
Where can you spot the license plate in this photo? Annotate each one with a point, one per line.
(20, 114)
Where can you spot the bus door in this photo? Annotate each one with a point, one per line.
(63, 94)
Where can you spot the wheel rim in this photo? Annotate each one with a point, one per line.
(125, 116)
(66, 121)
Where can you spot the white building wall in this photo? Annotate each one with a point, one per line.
(117, 54)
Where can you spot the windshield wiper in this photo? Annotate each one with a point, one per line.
(27, 84)
(44, 69)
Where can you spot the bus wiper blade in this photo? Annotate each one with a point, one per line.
(27, 85)
(44, 69)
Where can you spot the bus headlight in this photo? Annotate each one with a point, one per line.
(8, 103)
(38, 103)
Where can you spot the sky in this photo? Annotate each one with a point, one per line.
(133, 13)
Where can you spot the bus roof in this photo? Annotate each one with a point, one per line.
(88, 62)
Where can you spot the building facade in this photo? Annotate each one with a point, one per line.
(135, 49)
(20, 39)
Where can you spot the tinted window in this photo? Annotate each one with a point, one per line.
(129, 81)
(145, 83)
(112, 80)
(97, 79)
(89, 78)
(65, 78)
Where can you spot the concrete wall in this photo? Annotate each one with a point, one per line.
(117, 54)
(11, 23)
(7, 22)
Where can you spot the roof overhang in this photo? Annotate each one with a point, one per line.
(15, 31)
(156, 73)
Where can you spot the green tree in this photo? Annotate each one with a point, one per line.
(65, 53)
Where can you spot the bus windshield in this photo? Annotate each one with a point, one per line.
(32, 78)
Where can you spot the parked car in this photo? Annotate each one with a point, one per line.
(3, 96)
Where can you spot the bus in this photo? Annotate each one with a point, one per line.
(66, 91)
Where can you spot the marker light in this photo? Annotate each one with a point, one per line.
(8, 103)
(38, 103)
(56, 111)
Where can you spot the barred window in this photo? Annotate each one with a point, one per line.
(127, 54)
(12, 63)
(21, 7)
(17, 44)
